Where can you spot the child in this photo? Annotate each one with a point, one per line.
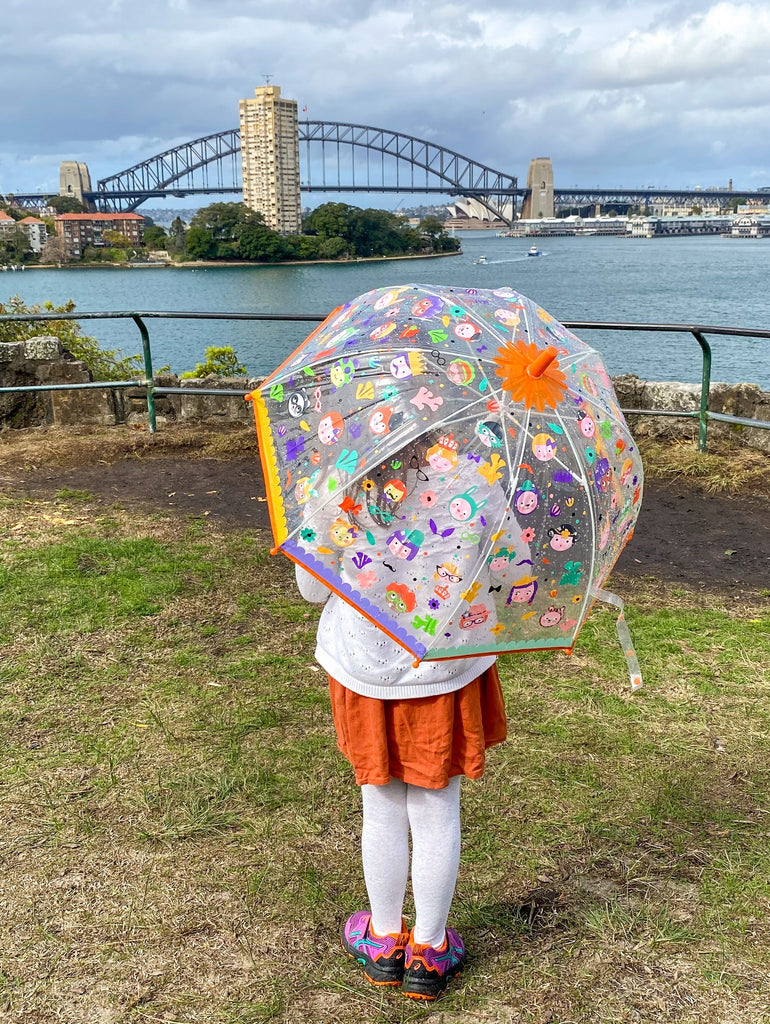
(410, 735)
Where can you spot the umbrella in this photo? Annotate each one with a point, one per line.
(452, 462)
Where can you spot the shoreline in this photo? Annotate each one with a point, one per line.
(201, 264)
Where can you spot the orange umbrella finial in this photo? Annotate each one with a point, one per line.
(540, 364)
(531, 375)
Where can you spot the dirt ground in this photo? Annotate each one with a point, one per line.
(683, 536)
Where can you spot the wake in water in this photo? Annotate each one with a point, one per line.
(516, 259)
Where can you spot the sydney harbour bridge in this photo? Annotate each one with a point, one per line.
(348, 158)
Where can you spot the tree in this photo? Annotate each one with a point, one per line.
(66, 204)
(155, 237)
(332, 248)
(54, 250)
(200, 244)
(223, 220)
(14, 246)
(377, 233)
(113, 238)
(221, 361)
(433, 228)
(330, 220)
(258, 242)
(176, 235)
(301, 247)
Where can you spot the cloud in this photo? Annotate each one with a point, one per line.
(727, 40)
(612, 91)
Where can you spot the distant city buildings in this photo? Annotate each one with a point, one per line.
(727, 225)
(270, 158)
(81, 229)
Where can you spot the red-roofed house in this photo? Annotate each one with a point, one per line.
(81, 229)
(7, 227)
(36, 232)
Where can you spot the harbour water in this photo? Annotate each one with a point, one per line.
(707, 280)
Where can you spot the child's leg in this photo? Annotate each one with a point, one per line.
(385, 853)
(434, 818)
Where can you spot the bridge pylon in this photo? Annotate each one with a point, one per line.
(539, 200)
(74, 180)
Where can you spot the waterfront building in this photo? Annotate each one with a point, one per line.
(36, 232)
(270, 158)
(750, 227)
(691, 225)
(32, 227)
(641, 227)
(569, 226)
(81, 229)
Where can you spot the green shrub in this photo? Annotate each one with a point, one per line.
(221, 361)
(105, 364)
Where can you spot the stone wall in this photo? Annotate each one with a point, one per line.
(748, 401)
(44, 361)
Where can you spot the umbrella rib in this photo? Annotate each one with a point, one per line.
(586, 484)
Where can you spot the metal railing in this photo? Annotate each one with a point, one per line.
(697, 331)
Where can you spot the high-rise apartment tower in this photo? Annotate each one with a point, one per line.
(270, 158)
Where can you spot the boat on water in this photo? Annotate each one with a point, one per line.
(534, 251)
(481, 259)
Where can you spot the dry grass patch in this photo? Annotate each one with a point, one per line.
(70, 447)
(726, 468)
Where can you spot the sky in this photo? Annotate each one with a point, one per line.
(617, 94)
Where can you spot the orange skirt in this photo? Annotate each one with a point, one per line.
(423, 741)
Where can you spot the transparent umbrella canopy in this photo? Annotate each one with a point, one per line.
(452, 462)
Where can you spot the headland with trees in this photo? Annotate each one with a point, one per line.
(333, 231)
(231, 232)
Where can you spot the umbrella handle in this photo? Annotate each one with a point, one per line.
(624, 635)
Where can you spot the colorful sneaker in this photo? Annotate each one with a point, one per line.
(382, 956)
(428, 970)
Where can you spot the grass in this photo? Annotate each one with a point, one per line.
(179, 836)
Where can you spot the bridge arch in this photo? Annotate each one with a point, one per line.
(393, 162)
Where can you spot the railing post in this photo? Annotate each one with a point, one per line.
(703, 414)
(148, 373)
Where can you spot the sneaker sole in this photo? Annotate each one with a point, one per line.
(427, 993)
(383, 981)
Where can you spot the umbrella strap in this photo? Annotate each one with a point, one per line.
(624, 635)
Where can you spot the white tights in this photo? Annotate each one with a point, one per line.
(433, 816)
